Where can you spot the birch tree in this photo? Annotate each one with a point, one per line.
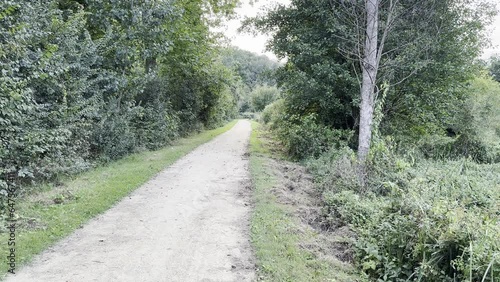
(374, 23)
(370, 65)
(340, 53)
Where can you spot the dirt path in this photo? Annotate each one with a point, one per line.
(189, 223)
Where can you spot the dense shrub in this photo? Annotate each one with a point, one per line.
(273, 113)
(303, 137)
(155, 126)
(419, 220)
(113, 136)
(466, 145)
(484, 118)
(81, 84)
(263, 96)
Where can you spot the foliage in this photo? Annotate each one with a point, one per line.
(429, 208)
(427, 74)
(263, 96)
(303, 137)
(272, 113)
(316, 78)
(251, 74)
(476, 131)
(495, 67)
(89, 81)
(253, 69)
(334, 170)
(482, 104)
(421, 220)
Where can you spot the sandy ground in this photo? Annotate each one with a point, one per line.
(189, 223)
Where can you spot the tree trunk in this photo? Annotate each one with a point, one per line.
(369, 66)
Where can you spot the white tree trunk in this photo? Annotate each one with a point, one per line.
(369, 65)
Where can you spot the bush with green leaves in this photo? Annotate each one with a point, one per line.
(483, 106)
(263, 96)
(418, 219)
(475, 132)
(304, 138)
(81, 84)
(155, 126)
(273, 113)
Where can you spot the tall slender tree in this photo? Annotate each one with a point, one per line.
(370, 65)
(336, 48)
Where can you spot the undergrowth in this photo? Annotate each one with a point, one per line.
(430, 208)
(276, 233)
(419, 219)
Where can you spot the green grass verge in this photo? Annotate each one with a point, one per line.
(275, 233)
(87, 195)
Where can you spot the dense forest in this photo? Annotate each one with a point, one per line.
(423, 202)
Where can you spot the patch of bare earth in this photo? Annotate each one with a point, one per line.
(295, 189)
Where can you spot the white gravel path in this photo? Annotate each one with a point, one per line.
(189, 223)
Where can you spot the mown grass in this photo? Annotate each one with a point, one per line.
(275, 232)
(53, 212)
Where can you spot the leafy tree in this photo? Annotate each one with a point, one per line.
(263, 96)
(337, 50)
(254, 70)
(251, 72)
(495, 67)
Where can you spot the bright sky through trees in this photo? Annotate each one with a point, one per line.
(246, 41)
(257, 43)
(495, 39)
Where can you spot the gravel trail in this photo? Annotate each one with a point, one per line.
(189, 223)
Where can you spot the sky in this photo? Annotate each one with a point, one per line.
(257, 43)
(495, 39)
(245, 41)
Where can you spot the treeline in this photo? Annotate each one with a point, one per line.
(87, 81)
(256, 83)
(424, 205)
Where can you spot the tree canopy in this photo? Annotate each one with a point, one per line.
(252, 72)
(87, 81)
(426, 63)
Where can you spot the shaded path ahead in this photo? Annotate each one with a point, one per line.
(189, 223)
